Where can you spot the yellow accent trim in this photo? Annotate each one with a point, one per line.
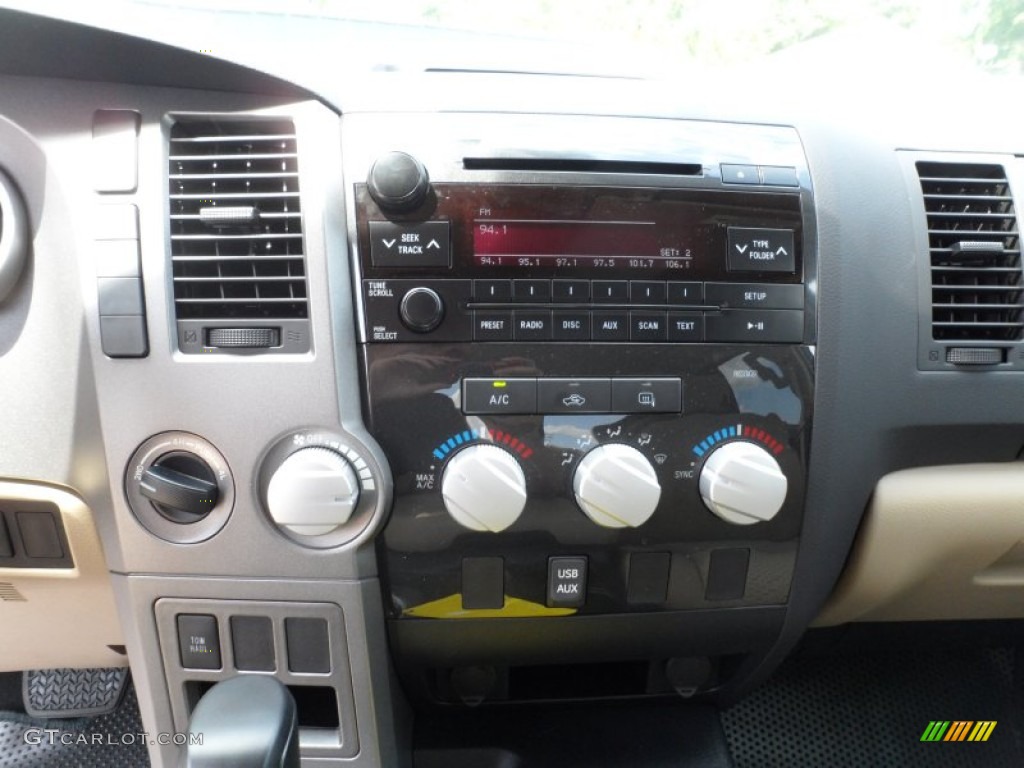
(451, 608)
(499, 384)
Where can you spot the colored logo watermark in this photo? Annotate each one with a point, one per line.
(958, 730)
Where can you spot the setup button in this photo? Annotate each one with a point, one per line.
(499, 395)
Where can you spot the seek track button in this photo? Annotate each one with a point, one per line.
(567, 582)
(424, 244)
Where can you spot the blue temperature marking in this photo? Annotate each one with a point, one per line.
(697, 450)
(475, 434)
(451, 444)
(732, 431)
(438, 454)
(459, 440)
(705, 444)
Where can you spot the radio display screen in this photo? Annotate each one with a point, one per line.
(572, 244)
(639, 233)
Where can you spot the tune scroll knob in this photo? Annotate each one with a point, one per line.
(484, 488)
(616, 486)
(313, 491)
(421, 310)
(743, 484)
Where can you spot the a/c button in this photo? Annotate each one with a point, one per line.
(499, 395)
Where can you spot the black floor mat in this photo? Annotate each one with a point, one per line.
(27, 742)
(872, 709)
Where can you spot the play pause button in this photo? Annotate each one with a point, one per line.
(773, 326)
(567, 582)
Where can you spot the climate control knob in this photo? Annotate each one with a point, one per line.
(743, 484)
(616, 486)
(484, 488)
(313, 492)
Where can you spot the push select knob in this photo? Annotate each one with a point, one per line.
(616, 487)
(484, 488)
(743, 484)
(421, 310)
(314, 491)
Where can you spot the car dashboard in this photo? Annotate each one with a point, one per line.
(449, 392)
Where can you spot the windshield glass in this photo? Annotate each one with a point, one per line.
(627, 37)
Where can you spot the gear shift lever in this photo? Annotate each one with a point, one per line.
(245, 722)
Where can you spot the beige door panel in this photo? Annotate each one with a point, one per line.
(59, 617)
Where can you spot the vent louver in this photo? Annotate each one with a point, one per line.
(975, 253)
(236, 233)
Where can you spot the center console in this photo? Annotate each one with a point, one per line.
(592, 376)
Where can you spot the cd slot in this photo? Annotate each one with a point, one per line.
(565, 165)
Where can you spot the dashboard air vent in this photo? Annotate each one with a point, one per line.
(236, 235)
(975, 253)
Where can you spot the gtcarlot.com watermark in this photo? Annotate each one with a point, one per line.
(55, 736)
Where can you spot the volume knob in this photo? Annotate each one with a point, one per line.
(398, 182)
(484, 488)
(616, 487)
(743, 484)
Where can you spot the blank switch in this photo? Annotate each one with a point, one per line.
(309, 648)
(252, 640)
(39, 535)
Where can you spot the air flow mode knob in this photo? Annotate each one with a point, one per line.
(743, 484)
(616, 486)
(484, 488)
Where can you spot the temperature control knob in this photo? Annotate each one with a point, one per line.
(743, 484)
(313, 492)
(616, 486)
(484, 488)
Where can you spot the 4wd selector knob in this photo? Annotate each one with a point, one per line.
(743, 484)
(313, 492)
(616, 486)
(484, 488)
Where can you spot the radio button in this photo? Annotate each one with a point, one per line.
(647, 326)
(571, 291)
(492, 290)
(532, 326)
(646, 292)
(761, 250)
(492, 326)
(685, 293)
(426, 244)
(499, 395)
(534, 291)
(755, 295)
(685, 326)
(779, 326)
(574, 395)
(610, 326)
(611, 291)
(662, 395)
(571, 326)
